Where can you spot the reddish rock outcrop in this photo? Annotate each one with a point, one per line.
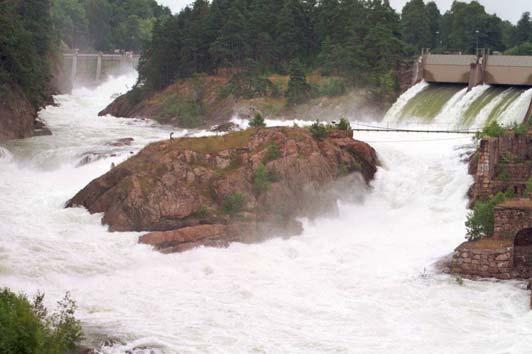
(16, 114)
(236, 187)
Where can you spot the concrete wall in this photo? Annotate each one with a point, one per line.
(448, 68)
(508, 70)
(92, 68)
(474, 70)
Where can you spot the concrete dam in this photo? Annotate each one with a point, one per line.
(93, 68)
(466, 91)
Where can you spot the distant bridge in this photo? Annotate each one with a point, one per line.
(92, 68)
(387, 129)
(473, 70)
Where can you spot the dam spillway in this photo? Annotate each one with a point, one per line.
(474, 70)
(453, 106)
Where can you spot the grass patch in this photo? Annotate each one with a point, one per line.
(186, 112)
(213, 144)
(487, 243)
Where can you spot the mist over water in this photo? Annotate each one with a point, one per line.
(361, 282)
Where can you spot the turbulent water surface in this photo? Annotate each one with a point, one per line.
(362, 282)
(445, 106)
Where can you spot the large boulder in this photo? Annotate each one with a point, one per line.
(235, 187)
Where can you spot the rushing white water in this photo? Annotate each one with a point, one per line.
(518, 108)
(362, 282)
(395, 111)
(456, 107)
(449, 107)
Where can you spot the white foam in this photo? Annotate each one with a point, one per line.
(517, 111)
(394, 113)
(361, 282)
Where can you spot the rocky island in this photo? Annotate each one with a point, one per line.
(244, 186)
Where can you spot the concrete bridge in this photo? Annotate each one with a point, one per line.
(474, 70)
(92, 68)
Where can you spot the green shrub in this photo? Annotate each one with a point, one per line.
(137, 94)
(480, 221)
(506, 158)
(504, 175)
(257, 121)
(298, 89)
(520, 128)
(273, 175)
(493, 129)
(26, 327)
(318, 130)
(332, 87)
(528, 190)
(261, 182)
(263, 177)
(233, 203)
(343, 170)
(343, 124)
(201, 213)
(272, 152)
(187, 113)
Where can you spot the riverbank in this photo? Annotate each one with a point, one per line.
(359, 281)
(205, 101)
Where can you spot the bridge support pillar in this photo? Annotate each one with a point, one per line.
(99, 67)
(476, 76)
(74, 67)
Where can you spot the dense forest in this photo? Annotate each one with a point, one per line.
(105, 25)
(32, 33)
(361, 40)
(25, 44)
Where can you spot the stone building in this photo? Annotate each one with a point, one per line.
(501, 164)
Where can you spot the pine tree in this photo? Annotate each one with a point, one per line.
(298, 88)
(434, 16)
(415, 25)
(523, 31)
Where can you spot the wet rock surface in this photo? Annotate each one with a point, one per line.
(242, 186)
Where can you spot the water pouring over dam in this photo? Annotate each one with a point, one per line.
(361, 282)
(453, 106)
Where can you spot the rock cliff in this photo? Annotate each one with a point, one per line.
(242, 186)
(17, 115)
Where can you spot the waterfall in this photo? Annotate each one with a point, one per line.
(360, 282)
(450, 106)
(394, 112)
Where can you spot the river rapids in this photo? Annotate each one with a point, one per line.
(363, 281)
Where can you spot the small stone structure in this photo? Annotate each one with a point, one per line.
(501, 164)
(471, 259)
(508, 254)
(511, 217)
